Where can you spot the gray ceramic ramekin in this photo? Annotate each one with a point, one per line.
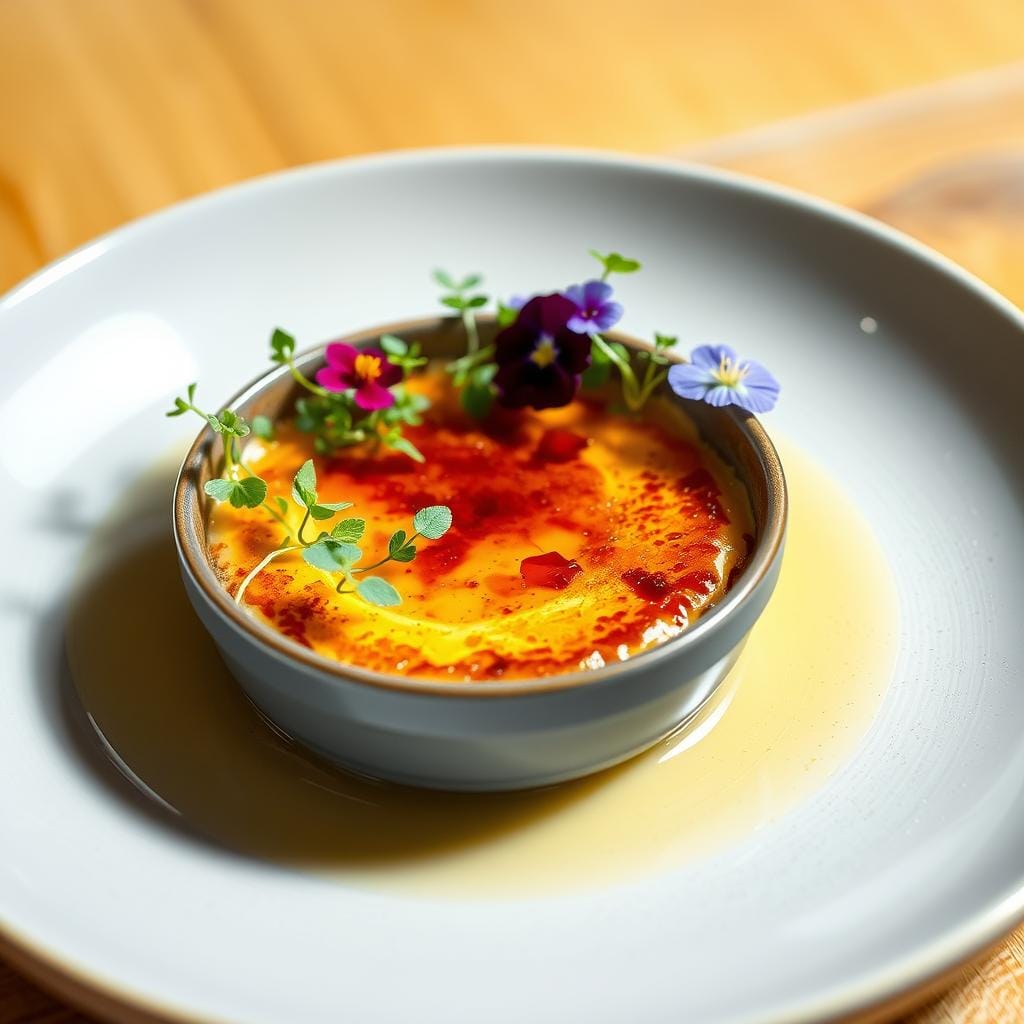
(488, 735)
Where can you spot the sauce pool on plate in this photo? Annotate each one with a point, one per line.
(579, 538)
(794, 710)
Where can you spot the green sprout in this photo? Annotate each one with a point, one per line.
(335, 552)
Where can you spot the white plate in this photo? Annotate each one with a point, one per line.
(907, 860)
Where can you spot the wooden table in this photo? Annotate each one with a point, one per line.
(113, 108)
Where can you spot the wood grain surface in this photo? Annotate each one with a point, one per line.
(113, 108)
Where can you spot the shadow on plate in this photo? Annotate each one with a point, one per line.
(172, 732)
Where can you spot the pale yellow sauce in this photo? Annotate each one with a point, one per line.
(793, 712)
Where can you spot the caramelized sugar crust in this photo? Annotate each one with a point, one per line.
(580, 537)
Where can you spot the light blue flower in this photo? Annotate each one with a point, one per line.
(716, 375)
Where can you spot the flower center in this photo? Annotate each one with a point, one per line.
(367, 368)
(730, 372)
(545, 353)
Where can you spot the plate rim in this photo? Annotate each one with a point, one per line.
(905, 982)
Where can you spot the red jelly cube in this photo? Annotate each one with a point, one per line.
(558, 445)
(550, 570)
(651, 586)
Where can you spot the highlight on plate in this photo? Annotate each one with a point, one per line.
(537, 504)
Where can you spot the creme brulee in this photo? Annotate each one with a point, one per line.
(579, 538)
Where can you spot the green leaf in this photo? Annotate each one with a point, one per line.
(445, 280)
(215, 423)
(476, 302)
(232, 423)
(469, 282)
(379, 592)
(477, 399)
(406, 554)
(282, 346)
(220, 489)
(304, 484)
(192, 392)
(665, 341)
(263, 427)
(506, 314)
(596, 375)
(349, 530)
(399, 548)
(321, 512)
(453, 301)
(282, 505)
(331, 555)
(180, 408)
(335, 506)
(392, 345)
(433, 522)
(406, 447)
(616, 263)
(248, 493)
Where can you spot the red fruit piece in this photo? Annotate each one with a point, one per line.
(550, 570)
(557, 445)
(651, 586)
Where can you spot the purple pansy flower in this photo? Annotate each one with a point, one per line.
(365, 370)
(539, 358)
(595, 309)
(716, 375)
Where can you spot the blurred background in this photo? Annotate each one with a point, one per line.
(912, 110)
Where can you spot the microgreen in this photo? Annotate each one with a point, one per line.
(394, 439)
(378, 591)
(400, 353)
(263, 428)
(458, 296)
(332, 555)
(597, 374)
(250, 492)
(433, 522)
(358, 396)
(282, 347)
(506, 314)
(478, 394)
(337, 553)
(473, 372)
(615, 263)
(349, 530)
(399, 547)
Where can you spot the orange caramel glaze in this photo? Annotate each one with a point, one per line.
(655, 525)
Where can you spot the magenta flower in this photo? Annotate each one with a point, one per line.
(539, 357)
(595, 310)
(716, 375)
(366, 371)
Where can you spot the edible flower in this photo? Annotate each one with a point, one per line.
(595, 308)
(539, 357)
(367, 371)
(716, 375)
